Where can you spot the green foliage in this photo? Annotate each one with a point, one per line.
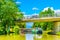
(47, 13)
(45, 25)
(8, 13)
(22, 25)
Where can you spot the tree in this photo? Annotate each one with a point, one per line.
(47, 13)
(45, 25)
(8, 13)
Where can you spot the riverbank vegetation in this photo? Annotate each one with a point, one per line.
(9, 13)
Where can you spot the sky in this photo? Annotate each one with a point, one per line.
(29, 24)
(29, 7)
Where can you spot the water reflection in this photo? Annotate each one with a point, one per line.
(29, 37)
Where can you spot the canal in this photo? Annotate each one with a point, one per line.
(29, 37)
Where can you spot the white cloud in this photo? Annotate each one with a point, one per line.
(25, 15)
(47, 8)
(18, 2)
(52, 8)
(35, 8)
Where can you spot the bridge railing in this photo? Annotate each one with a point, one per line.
(41, 17)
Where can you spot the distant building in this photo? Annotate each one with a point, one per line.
(35, 16)
(31, 16)
(27, 17)
(57, 13)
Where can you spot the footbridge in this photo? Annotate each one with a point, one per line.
(56, 21)
(43, 19)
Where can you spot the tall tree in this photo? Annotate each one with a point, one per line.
(8, 13)
(45, 25)
(47, 13)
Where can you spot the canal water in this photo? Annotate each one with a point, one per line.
(29, 37)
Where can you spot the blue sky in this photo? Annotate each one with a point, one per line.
(27, 5)
(29, 24)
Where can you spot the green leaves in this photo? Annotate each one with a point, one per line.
(47, 13)
(8, 10)
(8, 13)
(45, 25)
